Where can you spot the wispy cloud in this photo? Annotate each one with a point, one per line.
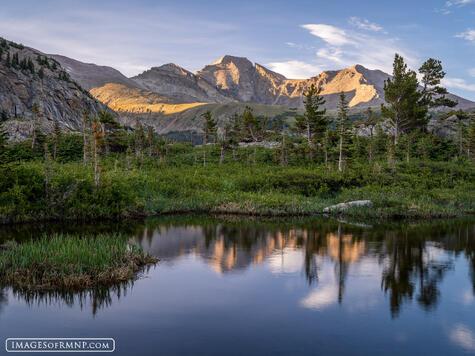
(344, 47)
(463, 336)
(471, 71)
(365, 24)
(449, 5)
(332, 35)
(468, 35)
(458, 83)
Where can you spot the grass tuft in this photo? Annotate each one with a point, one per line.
(71, 262)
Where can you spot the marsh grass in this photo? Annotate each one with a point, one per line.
(71, 262)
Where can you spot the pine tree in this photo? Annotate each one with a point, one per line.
(86, 122)
(97, 140)
(8, 63)
(470, 139)
(31, 66)
(433, 95)
(56, 139)
(342, 125)
(326, 146)
(34, 124)
(250, 124)
(15, 61)
(150, 140)
(209, 129)
(3, 139)
(139, 139)
(41, 73)
(48, 168)
(406, 110)
(313, 123)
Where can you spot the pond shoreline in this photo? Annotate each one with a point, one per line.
(345, 214)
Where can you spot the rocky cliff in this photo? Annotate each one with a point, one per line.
(27, 77)
(175, 82)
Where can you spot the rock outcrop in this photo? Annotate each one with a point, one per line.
(28, 77)
(175, 82)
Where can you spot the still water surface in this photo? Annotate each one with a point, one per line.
(239, 286)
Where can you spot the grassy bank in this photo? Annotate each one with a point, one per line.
(70, 262)
(419, 189)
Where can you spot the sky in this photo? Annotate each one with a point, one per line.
(298, 39)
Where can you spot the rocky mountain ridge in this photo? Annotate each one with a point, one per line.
(237, 79)
(29, 77)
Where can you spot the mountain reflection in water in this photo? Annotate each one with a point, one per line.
(412, 259)
(270, 286)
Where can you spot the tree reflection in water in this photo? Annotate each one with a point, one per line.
(413, 258)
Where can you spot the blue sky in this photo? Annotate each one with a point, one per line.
(296, 38)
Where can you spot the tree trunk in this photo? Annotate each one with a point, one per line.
(309, 141)
(396, 132)
(283, 159)
(205, 142)
(221, 157)
(96, 165)
(326, 157)
(47, 177)
(84, 145)
(371, 150)
(33, 140)
(340, 159)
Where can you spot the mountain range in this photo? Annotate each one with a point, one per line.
(170, 98)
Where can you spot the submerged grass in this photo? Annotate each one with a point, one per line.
(71, 262)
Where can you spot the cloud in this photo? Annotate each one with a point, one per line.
(321, 297)
(471, 71)
(458, 83)
(345, 47)
(365, 24)
(449, 5)
(330, 34)
(295, 69)
(463, 337)
(373, 50)
(468, 35)
(458, 2)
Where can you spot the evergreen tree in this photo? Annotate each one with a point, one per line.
(34, 125)
(250, 124)
(139, 139)
(110, 129)
(313, 123)
(3, 139)
(8, 63)
(97, 140)
(41, 73)
(3, 116)
(86, 122)
(470, 139)
(342, 125)
(56, 139)
(209, 129)
(326, 146)
(433, 95)
(15, 61)
(150, 141)
(31, 66)
(406, 110)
